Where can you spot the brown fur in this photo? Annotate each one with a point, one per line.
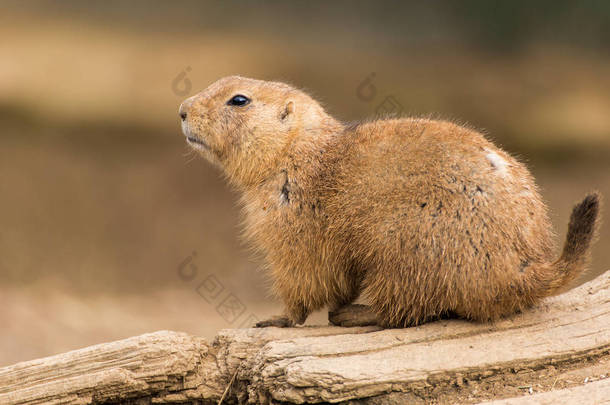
(423, 217)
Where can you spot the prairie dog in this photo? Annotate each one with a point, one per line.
(424, 218)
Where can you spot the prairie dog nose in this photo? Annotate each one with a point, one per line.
(184, 107)
(182, 112)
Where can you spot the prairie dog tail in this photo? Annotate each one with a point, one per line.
(575, 254)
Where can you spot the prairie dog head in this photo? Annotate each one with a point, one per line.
(246, 126)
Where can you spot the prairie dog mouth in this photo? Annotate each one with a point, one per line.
(193, 140)
(186, 130)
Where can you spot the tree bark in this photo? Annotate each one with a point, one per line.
(444, 361)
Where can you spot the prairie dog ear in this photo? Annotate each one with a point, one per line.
(287, 110)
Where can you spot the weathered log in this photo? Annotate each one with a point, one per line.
(442, 361)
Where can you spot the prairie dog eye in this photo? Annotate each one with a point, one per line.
(238, 100)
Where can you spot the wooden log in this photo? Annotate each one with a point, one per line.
(440, 361)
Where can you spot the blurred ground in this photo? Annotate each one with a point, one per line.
(101, 202)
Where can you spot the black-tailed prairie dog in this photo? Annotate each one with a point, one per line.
(424, 218)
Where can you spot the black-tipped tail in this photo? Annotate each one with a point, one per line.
(581, 231)
(581, 228)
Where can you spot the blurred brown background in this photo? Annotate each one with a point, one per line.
(102, 205)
